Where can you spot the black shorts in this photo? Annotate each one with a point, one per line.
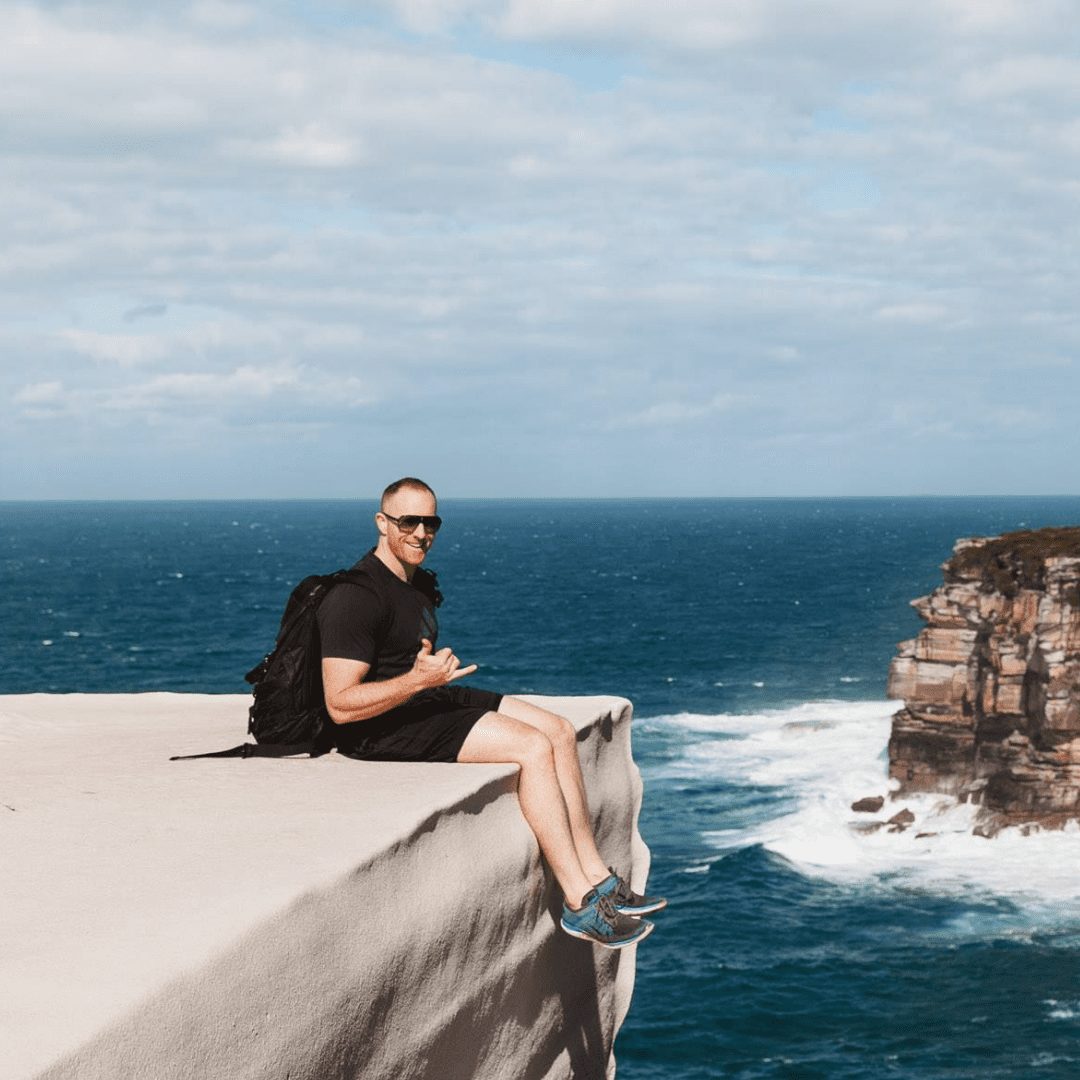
(429, 727)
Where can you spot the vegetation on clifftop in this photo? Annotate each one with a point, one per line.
(1013, 561)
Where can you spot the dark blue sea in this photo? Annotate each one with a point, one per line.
(754, 637)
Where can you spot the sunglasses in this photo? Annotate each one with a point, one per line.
(407, 523)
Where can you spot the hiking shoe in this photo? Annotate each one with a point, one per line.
(625, 900)
(599, 922)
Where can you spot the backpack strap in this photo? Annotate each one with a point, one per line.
(246, 750)
(350, 576)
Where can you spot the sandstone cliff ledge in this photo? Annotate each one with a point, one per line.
(991, 685)
(305, 919)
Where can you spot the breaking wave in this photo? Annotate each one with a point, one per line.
(805, 765)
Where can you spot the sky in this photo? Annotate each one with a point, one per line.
(589, 248)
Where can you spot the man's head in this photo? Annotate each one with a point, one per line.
(401, 535)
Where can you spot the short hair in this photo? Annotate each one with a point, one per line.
(405, 482)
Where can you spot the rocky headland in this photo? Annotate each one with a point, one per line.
(991, 685)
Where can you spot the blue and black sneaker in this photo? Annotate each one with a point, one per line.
(625, 900)
(598, 921)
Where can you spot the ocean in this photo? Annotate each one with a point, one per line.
(754, 638)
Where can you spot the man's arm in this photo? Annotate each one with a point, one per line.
(349, 698)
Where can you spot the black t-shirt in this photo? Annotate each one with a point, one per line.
(380, 621)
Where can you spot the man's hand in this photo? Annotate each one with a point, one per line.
(437, 669)
(349, 698)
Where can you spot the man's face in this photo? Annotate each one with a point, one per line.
(408, 548)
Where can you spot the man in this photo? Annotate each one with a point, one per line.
(393, 697)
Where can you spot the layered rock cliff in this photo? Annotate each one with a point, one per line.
(991, 685)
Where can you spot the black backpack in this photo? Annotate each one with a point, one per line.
(288, 714)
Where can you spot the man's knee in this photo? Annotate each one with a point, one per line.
(533, 746)
(559, 731)
(563, 734)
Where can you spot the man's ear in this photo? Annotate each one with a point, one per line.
(380, 523)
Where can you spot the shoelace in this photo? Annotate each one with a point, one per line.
(606, 910)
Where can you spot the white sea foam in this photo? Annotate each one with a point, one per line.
(1044, 1059)
(1062, 1010)
(818, 758)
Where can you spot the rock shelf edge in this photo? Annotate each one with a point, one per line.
(321, 919)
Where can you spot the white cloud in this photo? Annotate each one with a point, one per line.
(42, 393)
(705, 26)
(626, 197)
(785, 354)
(201, 387)
(999, 16)
(127, 350)
(670, 413)
(913, 313)
(249, 394)
(205, 337)
(1013, 76)
(698, 24)
(218, 14)
(309, 146)
(1031, 421)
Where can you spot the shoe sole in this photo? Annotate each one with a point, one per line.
(647, 909)
(646, 930)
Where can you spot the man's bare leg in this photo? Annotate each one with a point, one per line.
(496, 737)
(563, 738)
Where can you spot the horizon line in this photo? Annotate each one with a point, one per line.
(520, 498)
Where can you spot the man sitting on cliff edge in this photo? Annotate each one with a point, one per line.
(393, 697)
